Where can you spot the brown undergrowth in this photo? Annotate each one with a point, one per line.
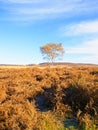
(44, 99)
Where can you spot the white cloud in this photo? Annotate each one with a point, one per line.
(87, 27)
(89, 47)
(88, 51)
(48, 9)
(22, 1)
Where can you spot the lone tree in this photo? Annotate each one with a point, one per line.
(52, 51)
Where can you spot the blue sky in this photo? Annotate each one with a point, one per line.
(25, 25)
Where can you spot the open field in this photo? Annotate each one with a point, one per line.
(49, 98)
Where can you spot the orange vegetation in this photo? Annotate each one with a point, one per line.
(30, 97)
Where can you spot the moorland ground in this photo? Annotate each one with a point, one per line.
(49, 98)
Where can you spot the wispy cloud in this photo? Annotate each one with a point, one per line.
(87, 27)
(22, 1)
(88, 49)
(41, 9)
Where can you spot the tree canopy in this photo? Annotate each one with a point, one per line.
(52, 51)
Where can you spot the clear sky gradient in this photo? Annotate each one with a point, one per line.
(25, 25)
